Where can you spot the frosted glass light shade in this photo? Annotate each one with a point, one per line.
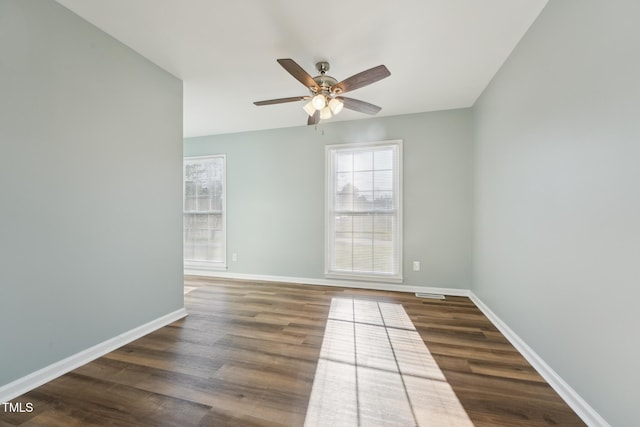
(336, 105)
(319, 102)
(325, 113)
(309, 108)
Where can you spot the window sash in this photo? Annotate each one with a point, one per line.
(363, 215)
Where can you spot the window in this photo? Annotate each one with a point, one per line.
(363, 211)
(204, 211)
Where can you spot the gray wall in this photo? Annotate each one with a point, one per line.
(557, 225)
(276, 193)
(90, 187)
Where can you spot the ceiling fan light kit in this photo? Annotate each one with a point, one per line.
(325, 98)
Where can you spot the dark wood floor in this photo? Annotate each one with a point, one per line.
(247, 353)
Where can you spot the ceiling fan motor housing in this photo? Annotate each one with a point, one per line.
(325, 82)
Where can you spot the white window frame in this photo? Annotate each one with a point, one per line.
(395, 277)
(208, 265)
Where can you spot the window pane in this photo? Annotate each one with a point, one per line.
(344, 162)
(189, 203)
(363, 225)
(383, 159)
(384, 243)
(363, 256)
(383, 201)
(344, 202)
(383, 227)
(363, 181)
(343, 255)
(362, 161)
(363, 201)
(383, 180)
(343, 226)
(344, 191)
(344, 182)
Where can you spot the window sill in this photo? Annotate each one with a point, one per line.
(203, 265)
(364, 277)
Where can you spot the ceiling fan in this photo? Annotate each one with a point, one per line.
(325, 99)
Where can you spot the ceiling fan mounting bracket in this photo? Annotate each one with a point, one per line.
(322, 67)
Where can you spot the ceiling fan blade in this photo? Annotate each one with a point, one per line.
(314, 119)
(296, 71)
(360, 106)
(280, 100)
(362, 79)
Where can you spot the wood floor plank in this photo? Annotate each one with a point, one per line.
(247, 354)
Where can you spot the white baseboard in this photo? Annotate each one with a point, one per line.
(566, 392)
(380, 286)
(48, 373)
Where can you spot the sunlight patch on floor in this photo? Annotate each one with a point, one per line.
(375, 370)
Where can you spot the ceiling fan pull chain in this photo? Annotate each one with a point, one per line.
(315, 127)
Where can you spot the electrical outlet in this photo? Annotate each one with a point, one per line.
(234, 257)
(416, 265)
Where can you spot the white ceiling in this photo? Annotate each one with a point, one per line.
(441, 53)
